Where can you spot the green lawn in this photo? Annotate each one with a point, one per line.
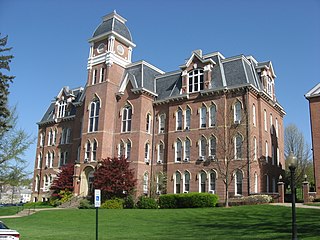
(243, 222)
(6, 211)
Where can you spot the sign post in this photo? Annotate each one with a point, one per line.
(97, 204)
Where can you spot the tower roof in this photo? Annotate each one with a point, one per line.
(113, 22)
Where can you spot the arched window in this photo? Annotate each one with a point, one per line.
(212, 119)
(94, 116)
(186, 186)
(212, 186)
(47, 159)
(41, 140)
(238, 181)
(94, 151)
(39, 164)
(126, 118)
(213, 146)
(147, 152)
(202, 147)
(68, 135)
(255, 156)
(94, 76)
(255, 183)
(88, 151)
(195, 78)
(63, 136)
(187, 150)
(178, 150)
(51, 159)
(61, 108)
(148, 123)
(203, 179)
(271, 123)
(265, 120)
(145, 182)
(162, 119)
(160, 152)
(179, 119)
(36, 183)
(50, 133)
(128, 149)
(254, 115)
(267, 184)
(267, 152)
(177, 187)
(187, 118)
(237, 112)
(203, 117)
(238, 146)
(45, 183)
(102, 73)
(277, 127)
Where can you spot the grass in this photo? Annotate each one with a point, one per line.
(7, 211)
(313, 204)
(243, 222)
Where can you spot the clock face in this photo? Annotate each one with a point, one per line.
(100, 48)
(120, 49)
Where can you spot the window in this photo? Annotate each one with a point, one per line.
(273, 185)
(269, 86)
(187, 118)
(238, 146)
(186, 185)
(61, 108)
(265, 120)
(158, 182)
(94, 76)
(94, 116)
(213, 177)
(212, 119)
(102, 71)
(148, 123)
(94, 151)
(272, 154)
(147, 152)
(162, 118)
(237, 112)
(36, 184)
(50, 137)
(68, 135)
(87, 152)
(45, 183)
(78, 154)
(128, 150)
(39, 164)
(277, 127)
(203, 145)
(160, 152)
(126, 118)
(254, 115)
(145, 182)
(255, 183)
(213, 146)
(51, 159)
(63, 136)
(41, 140)
(278, 156)
(267, 184)
(238, 181)
(178, 150)
(271, 124)
(195, 80)
(187, 150)
(121, 149)
(255, 148)
(267, 152)
(203, 178)
(63, 158)
(177, 186)
(179, 119)
(203, 117)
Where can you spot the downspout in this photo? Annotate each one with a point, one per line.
(248, 140)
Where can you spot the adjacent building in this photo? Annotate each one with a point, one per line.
(314, 105)
(213, 117)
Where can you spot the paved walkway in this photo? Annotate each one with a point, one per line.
(27, 212)
(298, 205)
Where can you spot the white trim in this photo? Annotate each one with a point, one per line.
(142, 62)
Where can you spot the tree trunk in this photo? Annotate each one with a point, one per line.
(226, 201)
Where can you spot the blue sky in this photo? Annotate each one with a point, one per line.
(49, 40)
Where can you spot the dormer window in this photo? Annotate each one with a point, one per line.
(196, 80)
(269, 86)
(61, 109)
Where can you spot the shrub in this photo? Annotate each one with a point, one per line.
(36, 204)
(85, 204)
(128, 202)
(188, 200)
(115, 203)
(147, 203)
(65, 195)
(257, 199)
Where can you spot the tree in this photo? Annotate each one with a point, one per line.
(114, 177)
(294, 141)
(63, 181)
(5, 80)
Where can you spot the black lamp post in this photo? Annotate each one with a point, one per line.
(292, 163)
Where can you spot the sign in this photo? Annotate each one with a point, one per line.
(97, 198)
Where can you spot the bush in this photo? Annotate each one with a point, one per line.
(128, 202)
(188, 200)
(36, 204)
(85, 204)
(147, 203)
(115, 203)
(250, 200)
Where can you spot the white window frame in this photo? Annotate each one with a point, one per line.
(255, 152)
(148, 123)
(175, 182)
(94, 150)
(186, 148)
(202, 179)
(265, 120)
(195, 80)
(236, 190)
(278, 157)
(87, 154)
(39, 160)
(186, 182)
(102, 74)
(94, 112)
(147, 152)
(128, 147)
(267, 151)
(178, 150)
(61, 108)
(237, 138)
(254, 115)
(94, 76)
(255, 182)
(202, 147)
(145, 182)
(160, 152)
(179, 120)
(126, 119)
(271, 123)
(36, 184)
(162, 120)
(237, 112)
(203, 117)
(213, 116)
(187, 118)
(213, 190)
(277, 128)
(41, 140)
(212, 153)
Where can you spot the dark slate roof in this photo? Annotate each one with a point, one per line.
(168, 85)
(113, 24)
(49, 113)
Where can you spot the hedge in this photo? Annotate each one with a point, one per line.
(115, 203)
(147, 203)
(188, 200)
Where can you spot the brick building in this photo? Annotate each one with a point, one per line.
(314, 105)
(187, 126)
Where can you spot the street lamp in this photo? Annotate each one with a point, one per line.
(292, 163)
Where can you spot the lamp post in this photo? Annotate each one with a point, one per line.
(292, 163)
